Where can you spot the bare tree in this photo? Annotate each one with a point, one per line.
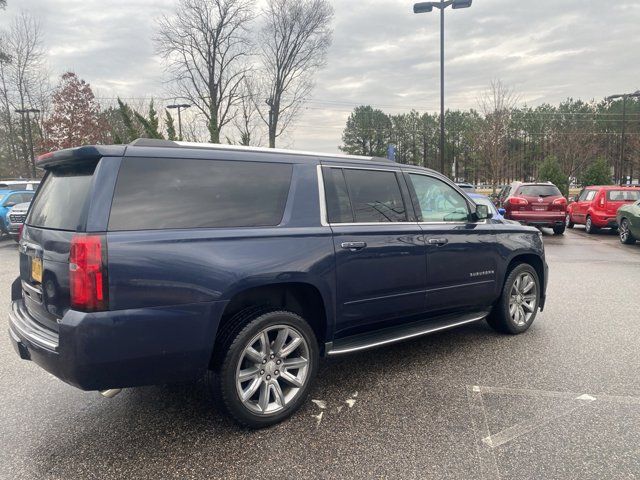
(205, 45)
(246, 122)
(294, 43)
(497, 105)
(27, 75)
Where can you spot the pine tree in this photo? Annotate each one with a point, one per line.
(171, 127)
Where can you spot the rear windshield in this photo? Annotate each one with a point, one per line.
(164, 193)
(539, 191)
(61, 199)
(623, 195)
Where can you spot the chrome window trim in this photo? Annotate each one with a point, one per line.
(323, 198)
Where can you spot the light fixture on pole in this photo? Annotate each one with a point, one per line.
(426, 7)
(180, 107)
(624, 97)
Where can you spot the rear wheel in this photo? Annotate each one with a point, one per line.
(518, 305)
(624, 231)
(588, 226)
(265, 367)
(568, 222)
(559, 229)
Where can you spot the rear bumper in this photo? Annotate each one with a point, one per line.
(538, 219)
(98, 351)
(604, 221)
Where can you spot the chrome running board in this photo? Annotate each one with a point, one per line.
(402, 333)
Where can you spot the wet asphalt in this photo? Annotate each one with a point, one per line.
(560, 402)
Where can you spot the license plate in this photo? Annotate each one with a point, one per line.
(540, 209)
(36, 270)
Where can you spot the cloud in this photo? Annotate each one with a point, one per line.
(382, 54)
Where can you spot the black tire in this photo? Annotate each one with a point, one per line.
(559, 229)
(500, 317)
(229, 348)
(626, 237)
(568, 222)
(588, 226)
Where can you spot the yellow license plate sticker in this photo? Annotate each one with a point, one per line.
(36, 269)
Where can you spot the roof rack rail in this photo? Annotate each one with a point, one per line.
(160, 143)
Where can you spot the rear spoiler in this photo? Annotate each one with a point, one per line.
(79, 155)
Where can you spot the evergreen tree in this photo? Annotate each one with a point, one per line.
(598, 173)
(171, 127)
(367, 132)
(550, 171)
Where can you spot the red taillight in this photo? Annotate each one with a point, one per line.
(87, 273)
(602, 201)
(560, 201)
(518, 202)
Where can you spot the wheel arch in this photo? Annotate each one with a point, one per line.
(302, 298)
(537, 262)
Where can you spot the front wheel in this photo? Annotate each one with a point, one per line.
(626, 237)
(518, 305)
(265, 367)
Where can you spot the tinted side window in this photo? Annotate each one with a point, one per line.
(437, 201)
(375, 196)
(338, 203)
(176, 193)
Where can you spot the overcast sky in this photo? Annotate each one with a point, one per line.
(382, 54)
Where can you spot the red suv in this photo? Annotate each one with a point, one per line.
(536, 204)
(596, 206)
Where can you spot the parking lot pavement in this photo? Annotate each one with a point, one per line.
(561, 401)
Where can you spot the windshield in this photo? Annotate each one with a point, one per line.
(623, 195)
(539, 191)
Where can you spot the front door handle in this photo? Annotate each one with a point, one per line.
(353, 246)
(438, 241)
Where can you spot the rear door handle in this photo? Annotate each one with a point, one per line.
(438, 241)
(353, 246)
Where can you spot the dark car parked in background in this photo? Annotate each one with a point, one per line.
(163, 261)
(15, 219)
(536, 204)
(628, 217)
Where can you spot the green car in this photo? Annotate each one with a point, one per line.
(629, 222)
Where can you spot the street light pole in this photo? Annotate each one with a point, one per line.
(425, 7)
(442, 112)
(180, 107)
(22, 112)
(624, 97)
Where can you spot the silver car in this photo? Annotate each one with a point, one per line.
(15, 218)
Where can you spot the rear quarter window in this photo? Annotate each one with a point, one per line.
(153, 194)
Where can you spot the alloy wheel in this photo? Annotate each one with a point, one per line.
(272, 369)
(523, 299)
(624, 231)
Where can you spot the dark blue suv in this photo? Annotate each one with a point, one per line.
(162, 261)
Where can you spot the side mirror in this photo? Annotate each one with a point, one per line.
(482, 212)
(502, 211)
